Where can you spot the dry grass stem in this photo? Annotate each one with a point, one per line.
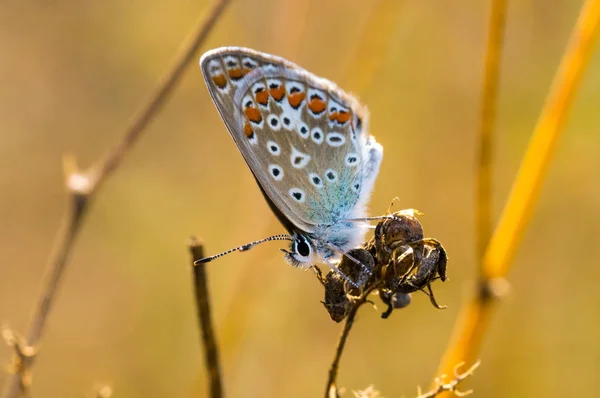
(211, 351)
(475, 316)
(81, 186)
(489, 104)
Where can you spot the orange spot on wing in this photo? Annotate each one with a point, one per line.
(296, 99)
(343, 116)
(248, 130)
(262, 97)
(238, 73)
(253, 114)
(220, 81)
(277, 93)
(316, 105)
(340, 117)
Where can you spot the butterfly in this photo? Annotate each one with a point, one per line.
(306, 143)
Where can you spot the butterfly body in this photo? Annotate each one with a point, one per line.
(306, 143)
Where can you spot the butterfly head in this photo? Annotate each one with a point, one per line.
(302, 252)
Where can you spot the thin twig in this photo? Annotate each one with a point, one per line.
(331, 388)
(211, 351)
(475, 316)
(81, 186)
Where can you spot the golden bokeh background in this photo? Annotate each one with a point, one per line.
(71, 74)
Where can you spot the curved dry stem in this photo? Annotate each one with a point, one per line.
(81, 186)
(472, 324)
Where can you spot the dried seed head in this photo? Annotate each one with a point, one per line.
(338, 293)
(391, 233)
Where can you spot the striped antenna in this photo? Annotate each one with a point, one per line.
(242, 248)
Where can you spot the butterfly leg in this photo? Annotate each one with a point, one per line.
(340, 273)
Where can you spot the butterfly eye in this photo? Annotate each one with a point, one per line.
(302, 248)
(301, 252)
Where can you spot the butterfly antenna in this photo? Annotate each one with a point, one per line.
(242, 248)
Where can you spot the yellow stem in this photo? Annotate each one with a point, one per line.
(489, 103)
(473, 322)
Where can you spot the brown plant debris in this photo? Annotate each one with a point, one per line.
(402, 262)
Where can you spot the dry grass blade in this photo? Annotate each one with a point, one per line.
(473, 322)
(528, 183)
(82, 185)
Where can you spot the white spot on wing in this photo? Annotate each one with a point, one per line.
(249, 63)
(299, 159)
(303, 130)
(273, 122)
(273, 148)
(231, 62)
(316, 180)
(214, 67)
(351, 159)
(295, 87)
(287, 119)
(276, 172)
(254, 139)
(317, 135)
(336, 139)
(247, 101)
(297, 194)
(331, 175)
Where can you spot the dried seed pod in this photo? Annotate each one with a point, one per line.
(337, 303)
(403, 228)
(400, 262)
(432, 267)
(338, 293)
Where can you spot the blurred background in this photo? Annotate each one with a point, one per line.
(71, 74)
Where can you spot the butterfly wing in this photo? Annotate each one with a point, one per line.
(303, 138)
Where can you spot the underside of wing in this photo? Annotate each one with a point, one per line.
(303, 138)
